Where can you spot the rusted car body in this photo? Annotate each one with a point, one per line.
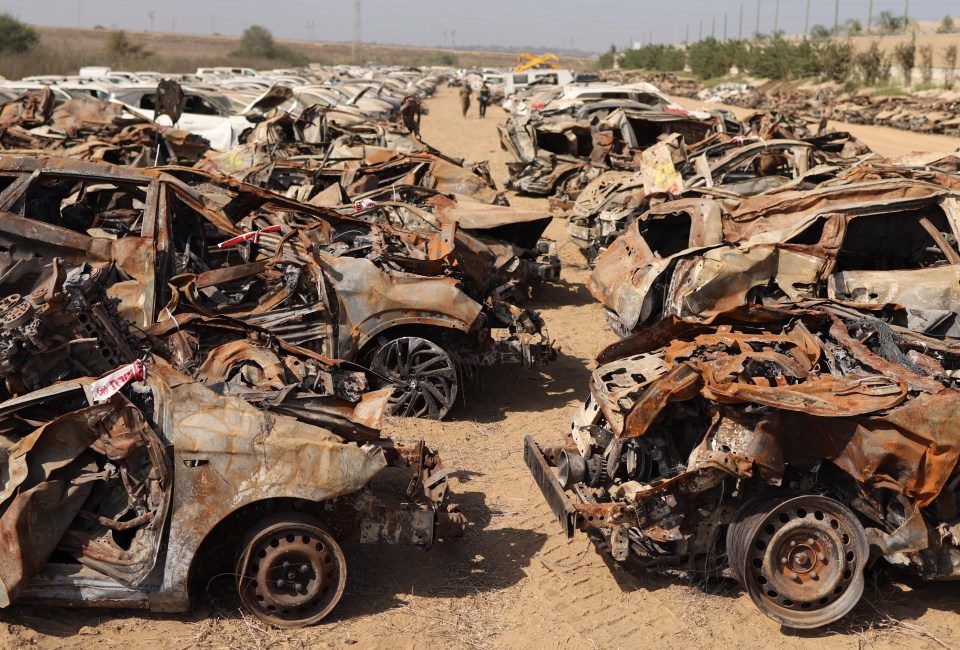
(560, 154)
(875, 234)
(91, 129)
(187, 251)
(722, 167)
(788, 448)
(139, 498)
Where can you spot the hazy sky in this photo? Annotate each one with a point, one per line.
(584, 24)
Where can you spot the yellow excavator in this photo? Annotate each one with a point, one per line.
(527, 61)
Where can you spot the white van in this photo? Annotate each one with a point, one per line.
(514, 81)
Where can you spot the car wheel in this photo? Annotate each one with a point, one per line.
(801, 560)
(290, 571)
(423, 374)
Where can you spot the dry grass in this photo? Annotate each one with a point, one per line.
(64, 51)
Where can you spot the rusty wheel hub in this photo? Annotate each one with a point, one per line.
(291, 572)
(801, 560)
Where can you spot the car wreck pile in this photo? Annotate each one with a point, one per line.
(782, 406)
(177, 346)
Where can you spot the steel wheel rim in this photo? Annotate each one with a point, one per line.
(801, 561)
(423, 375)
(291, 574)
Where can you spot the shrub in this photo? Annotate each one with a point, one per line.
(836, 61)
(16, 36)
(257, 41)
(119, 48)
(710, 58)
(819, 32)
(888, 23)
(926, 63)
(949, 65)
(905, 54)
(605, 61)
(946, 26)
(873, 65)
(660, 58)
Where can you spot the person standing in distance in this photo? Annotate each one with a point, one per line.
(465, 97)
(484, 99)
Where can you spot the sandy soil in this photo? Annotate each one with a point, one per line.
(514, 581)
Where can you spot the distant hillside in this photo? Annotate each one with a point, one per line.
(64, 50)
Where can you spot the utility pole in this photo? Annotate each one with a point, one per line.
(740, 31)
(806, 21)
(906, 15)
(836, 17)
(870, 17)
(356, 29)
(713, 28)
(756, 34)
(724, 26)
(700, 36)
(776, 20)
(650, 39)
(686, 39)
(150, 13)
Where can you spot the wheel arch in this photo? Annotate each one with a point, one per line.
(210, 560)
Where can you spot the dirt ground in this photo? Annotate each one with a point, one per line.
(514, 581)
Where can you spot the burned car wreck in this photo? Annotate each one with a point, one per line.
(135, 489)
(723, 167)
(873, 234)
(140, 457)
(197, 261)
(92, 129)
(559, 154)
(788, 448)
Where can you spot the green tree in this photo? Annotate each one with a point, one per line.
(659, 58)
(949, 65)
(15, 35)
(709, 59)
(946, 26)
(873, 65)
(605, 60)
(888, 23)
(853, 27)
(819, 32)
(258, 41)
(905, 54)
(926, 63)
(835, 61)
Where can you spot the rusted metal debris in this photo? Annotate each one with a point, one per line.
(138, 498)
(91, 129)
(908, 113)
(557, 153)
(774, 153)
(314, 159)
(787, 448)
(196, 261)
(875, 234)
(208, 325)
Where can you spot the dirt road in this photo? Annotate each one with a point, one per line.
(513, 582)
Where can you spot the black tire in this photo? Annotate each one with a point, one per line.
(290, 571)
(424, 376)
